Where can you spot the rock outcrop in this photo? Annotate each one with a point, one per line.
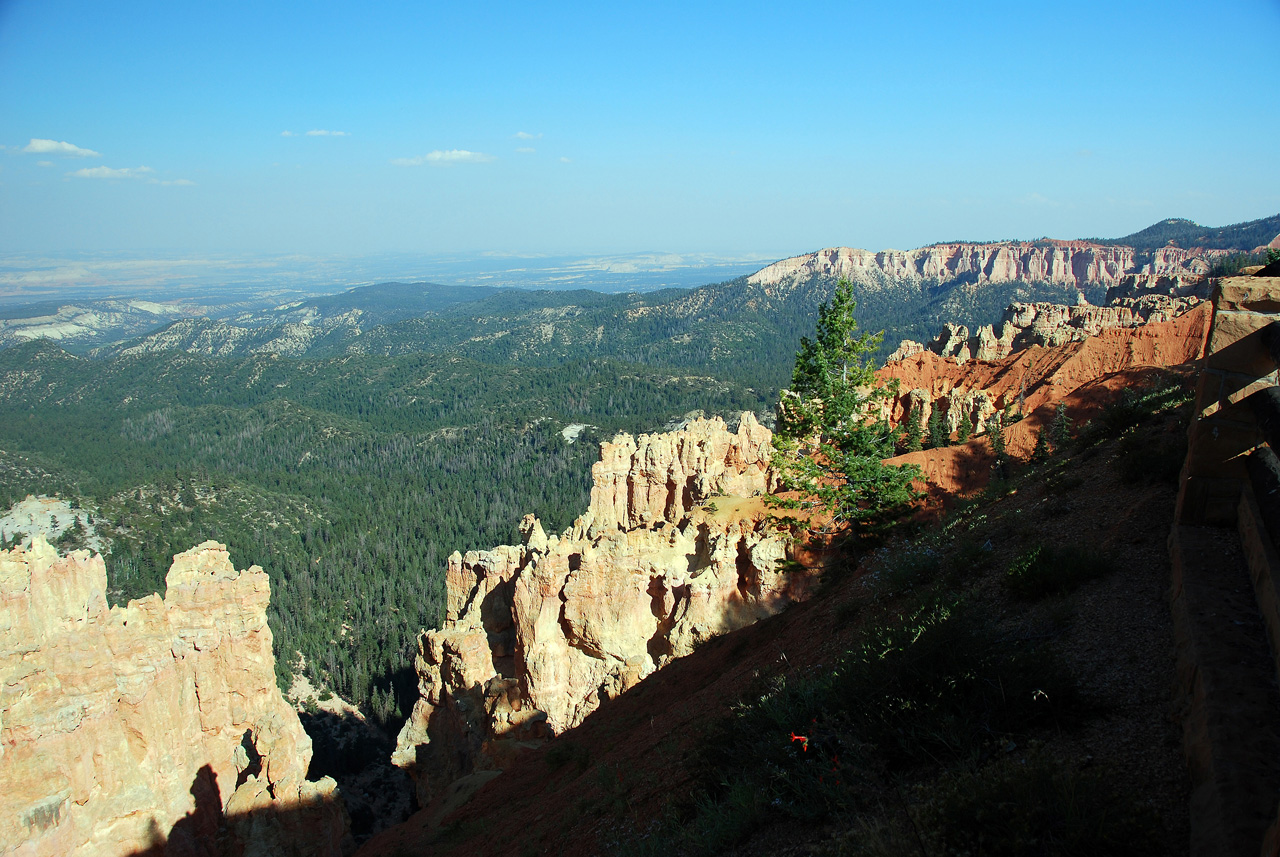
(674, 550)
(1070, 263)
(1170, 285)
(1026, 381)
(1046, 324)
(154, 728)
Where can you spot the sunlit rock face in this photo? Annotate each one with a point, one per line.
(1045, 324)
(673, 550)
(1069, 263)
(153, 728)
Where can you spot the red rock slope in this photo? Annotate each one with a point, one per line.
(1075, 373)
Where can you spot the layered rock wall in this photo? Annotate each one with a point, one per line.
(673, 550)
(1071, 263)
(152, 728)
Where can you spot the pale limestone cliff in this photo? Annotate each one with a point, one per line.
(1071, 263)
(674, 550)
(155, 727)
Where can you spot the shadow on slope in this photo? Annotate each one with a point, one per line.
(684, 750)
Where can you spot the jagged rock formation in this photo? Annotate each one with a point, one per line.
(1026, 381)
(1072, 263)
(155, 727)
(1171, 285)
(1047, 324)
(538, 635)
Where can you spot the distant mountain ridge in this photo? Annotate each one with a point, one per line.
(1249, 236)
(737, 324)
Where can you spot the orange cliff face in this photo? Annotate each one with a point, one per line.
(673, 550)
(134, 729)
(1078, 373)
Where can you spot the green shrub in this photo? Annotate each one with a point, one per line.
(1134, 406)
(1062, 482)
(933, 686)
(1034, 806)
(1043, 570)
(1145, 458)
(906, 568)
(561, 753)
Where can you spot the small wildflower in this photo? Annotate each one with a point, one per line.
(803, 739)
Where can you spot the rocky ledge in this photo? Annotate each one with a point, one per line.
(1046, 324)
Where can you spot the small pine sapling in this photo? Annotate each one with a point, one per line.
(1041, 450)
(996, 434)
(965, 430)
(938, 436)
(915, 431)
(1060, 429)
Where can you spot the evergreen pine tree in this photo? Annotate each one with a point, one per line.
(915, 431)
(995, 432)
(1041, 450)
(1060, 429)
(829, 445)
(965, 429)
(938, 436)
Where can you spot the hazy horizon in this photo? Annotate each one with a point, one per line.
(740, 132)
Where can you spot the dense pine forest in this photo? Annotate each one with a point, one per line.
(349, 480)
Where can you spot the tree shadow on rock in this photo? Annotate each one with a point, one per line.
(309, 828)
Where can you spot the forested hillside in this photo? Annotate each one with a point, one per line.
(743, 329)
(411, 421)
(349, 480)
(1188, 233)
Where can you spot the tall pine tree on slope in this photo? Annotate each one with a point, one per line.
(831, 440)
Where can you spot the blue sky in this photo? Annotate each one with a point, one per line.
(753, 130)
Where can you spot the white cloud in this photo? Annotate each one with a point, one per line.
(54, 147)
(128, 173)
(44, 163)
(442, 157)
(322, 133)
(526, 150)
(565, 160)
(525, 135)
(287, 134)
(110, 173)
